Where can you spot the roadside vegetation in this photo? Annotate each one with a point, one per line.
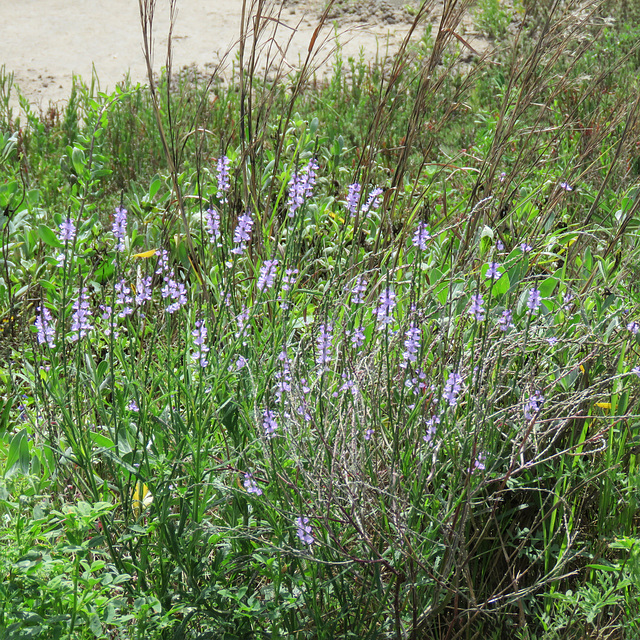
(285, 357)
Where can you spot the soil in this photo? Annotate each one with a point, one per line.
(46, 42)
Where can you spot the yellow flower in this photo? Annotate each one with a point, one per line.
(142, 498)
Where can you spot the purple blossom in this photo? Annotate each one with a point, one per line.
(250, 485)
(633, 327)
(534, 301)
(267, 274)
(421, 236)
(107, 314)
(417, 383)
(500, 245)
(357, 336)
(636, 370)
(133, 406)
(269, 424)
(80, 324)
(452, 388)
(566, 186)
(552, 341)
(353, 198)
(242, 233)
(323, 346)
(506, 320)
(44, 324)
(373, 201)
(432, 428)
(223, 179)
(368, 434)
(477, 310)
(348, 385)
(503, 176)
(199, 334)
(386, 305)
(176, 291)
(478, 463)
(241, 321)
(301, 187)
(67, 231)
(304, 531)
(283, 376)
(163, 262)
(120, 227)
(358, 290)
(124, 298)
(212, 219)
(533, 406)
(411, 346)
(144, 292)
(566, 300)
(525, 248)
(290, 277)
(493, 272)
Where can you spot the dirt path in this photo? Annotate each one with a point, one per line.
(45, 42)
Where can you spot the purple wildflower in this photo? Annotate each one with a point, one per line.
(432, 428)
(267, 274)
(373, 201)
(533, 303)
(144, 291)
(46, 332)
(80, 324)
(242, 233)
(250, 485)
(67, 231)
(107, 314)
(633, 327)
(124, 298)
(133, 406)
(348, 385)
(353, 198)
(212, 218)
(283, 376)
(636, 370)
(452, 388)
(387, 303)
(368, 434)
(269, 424)
(323, 346)
(477, 310)
(506, 320)
(174, 290)
(478, 463)
(500, 245)
(289, 279)
(533, 405)
(199, 334)
(421, 236)
(493, 272)
(223, 179)
(503, 176)
(304, 531)
(566, 186)
(120, 227)
(357, 337)
(411, 346)
(525, 248)
(301, 187)
(163, 262)
(358, 290)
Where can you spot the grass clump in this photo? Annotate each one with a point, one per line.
(280, 374)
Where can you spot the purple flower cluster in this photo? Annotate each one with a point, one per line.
(358, 290)
(506, 320)
(176, 291)
(633, 327)
(534, 301)
(44, 325)
(144, 292)
(304, 532)
(120, 227)
(301, 186)
(80, 324)
(493, 272)
(124, 298)
(223, 178)
(452, 388)
(373, 201)
(356, 336)
(250, 485)
(353, 198)
(477, 310)
(421, 236)
(283, 376)
(66, 235)
(386, 305)
(269, 424)
(199, 334)
(323, 346)
(411, 346)
(533, 406)
(267, 274)
(242, 234)
(212, 219)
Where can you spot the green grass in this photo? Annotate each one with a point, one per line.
(156, 479)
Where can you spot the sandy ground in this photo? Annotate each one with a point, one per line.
(45, 42)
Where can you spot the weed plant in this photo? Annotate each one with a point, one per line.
(279, 375)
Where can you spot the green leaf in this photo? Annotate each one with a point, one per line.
(48, 237)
